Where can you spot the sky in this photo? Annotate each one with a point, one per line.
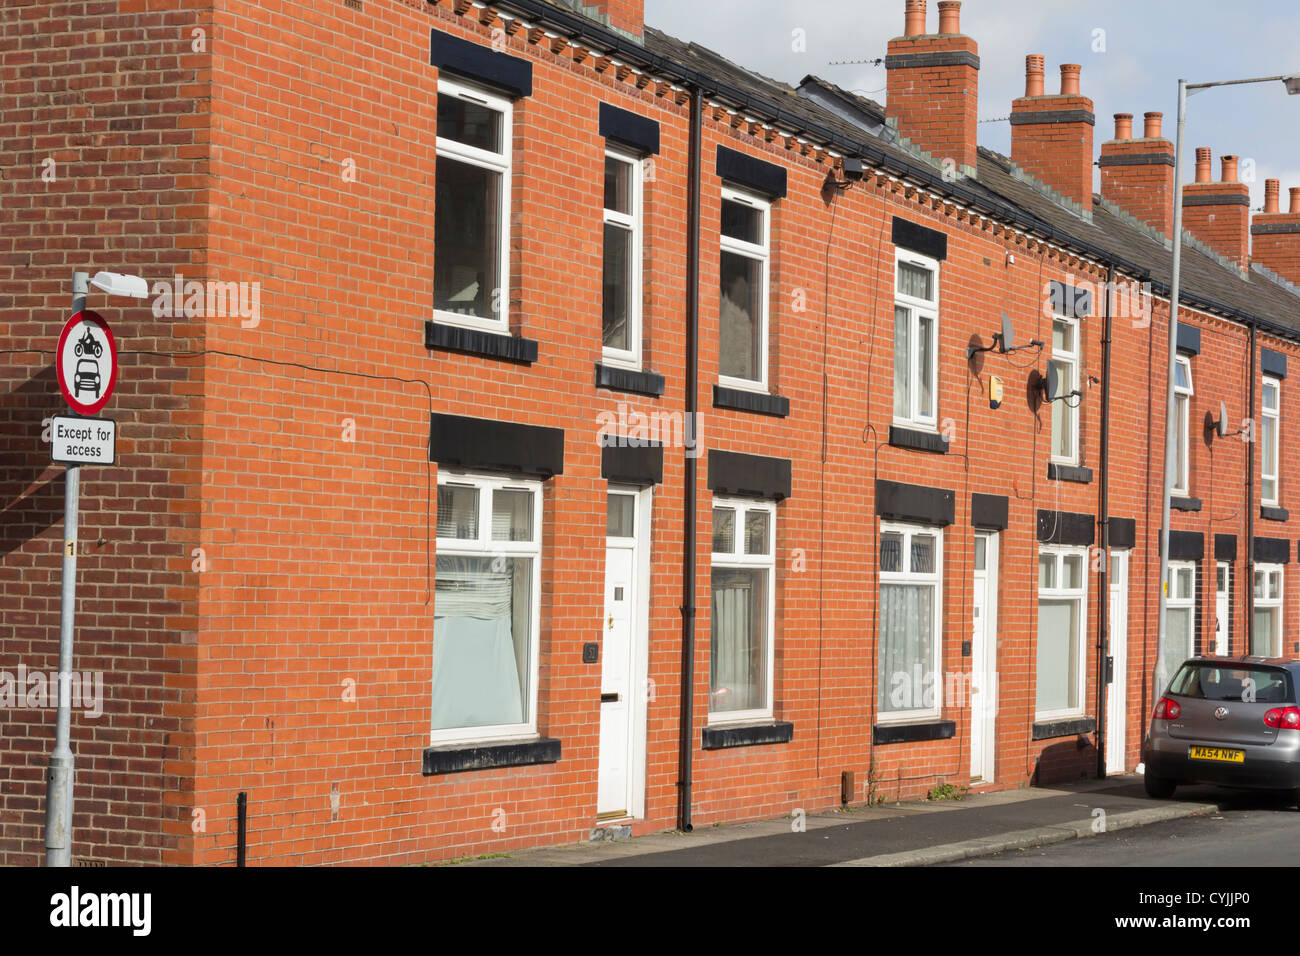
(1133, 52)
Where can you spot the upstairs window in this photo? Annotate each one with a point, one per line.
(743, 303)
(1182, 425)
(1065, 415)
(916, 336)
(472, 197)
(1269, 428)
(621, 285)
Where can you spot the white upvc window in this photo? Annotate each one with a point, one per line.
(916, 339)
(743, 297)
(743, 610)
(1180, 614)
(486, 613)
(621, 275)
(1065, 411)
(1270, 422)
(909, 678)
(471, 237)
(1266, 638)
(1183, 393)
(1062, 618)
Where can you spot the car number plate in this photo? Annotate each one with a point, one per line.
(1217, 753)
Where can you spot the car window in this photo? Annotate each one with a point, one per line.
(1262, 685)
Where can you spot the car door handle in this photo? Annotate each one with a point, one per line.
(609, 698)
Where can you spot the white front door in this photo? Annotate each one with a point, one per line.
(984, 686)
(621, 782)
(1222, 608)
(1117, 692)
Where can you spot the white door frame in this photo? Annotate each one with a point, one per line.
(984, 669)
(639, 650)
(1117, 692)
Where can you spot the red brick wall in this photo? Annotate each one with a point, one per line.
(301, 442)
(105, 132)
(1225, 225)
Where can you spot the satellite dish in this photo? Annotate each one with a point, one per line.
(1053, 383)
(1008, 333)
(1222, 426)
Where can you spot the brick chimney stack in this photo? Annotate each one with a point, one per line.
(627, 15)
(1137, 175)
(1218, 214)
(933, 85)
(1276, 234)
(1051, 135)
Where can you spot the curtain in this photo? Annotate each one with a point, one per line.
(482, 615)
(907, 679)
(738, 669)
(1058, 636)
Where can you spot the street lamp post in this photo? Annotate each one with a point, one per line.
(1184, 90)
(58, 781)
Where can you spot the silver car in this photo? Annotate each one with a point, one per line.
(1232, 721)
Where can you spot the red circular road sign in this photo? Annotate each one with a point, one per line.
(86, 362)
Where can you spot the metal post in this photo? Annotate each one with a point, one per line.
(58, 793)
(1160, 675)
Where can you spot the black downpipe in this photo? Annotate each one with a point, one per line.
(1248, 578)
(241, 839)
(1103, 520)
(689, 504)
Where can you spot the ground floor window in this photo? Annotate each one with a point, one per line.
(743, 609)
(1266, 641)
(1180, 614)
(485, 618)
(1062, 613)
(908, 682)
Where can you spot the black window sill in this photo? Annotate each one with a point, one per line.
(1048, 729)
(629, 380)
(511, 753)
(1075, 473)
(778, 406)
(1185, 504)
(919, 440)
(909, 733)
(750, 735)
(452, 338)
(1273, 514)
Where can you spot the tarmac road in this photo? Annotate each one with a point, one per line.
(1252, 829)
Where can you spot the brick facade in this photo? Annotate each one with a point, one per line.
(261, 596)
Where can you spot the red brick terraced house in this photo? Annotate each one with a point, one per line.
(606, 436)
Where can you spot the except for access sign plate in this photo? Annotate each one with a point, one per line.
(83, 441)
(86, 362)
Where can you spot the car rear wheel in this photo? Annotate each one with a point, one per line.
(1158, 787)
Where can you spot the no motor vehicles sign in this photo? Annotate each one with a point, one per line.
(86, 362)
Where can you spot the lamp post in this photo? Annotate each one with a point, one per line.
(58, 781)
(1184, 90)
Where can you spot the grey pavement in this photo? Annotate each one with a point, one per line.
(903, 834)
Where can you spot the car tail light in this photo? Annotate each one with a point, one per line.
(1284, 718)
(1167, 710)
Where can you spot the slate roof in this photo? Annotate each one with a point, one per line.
(1207, 280)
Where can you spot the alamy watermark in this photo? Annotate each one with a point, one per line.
(210, 299)
(31, 689)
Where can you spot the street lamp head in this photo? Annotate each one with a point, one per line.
(114, 283)
(1292, 84)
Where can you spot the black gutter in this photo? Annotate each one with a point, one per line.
(685, 742)
(1249, 564)
(1103, 516)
